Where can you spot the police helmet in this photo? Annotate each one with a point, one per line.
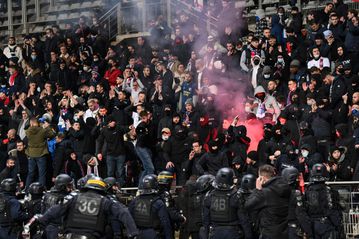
(224, 179)
(204, 182)
(248, 182)
(149, 184)
(8, 185)
(62, 181)
(319, 173)
(96, 183)
(82, 181)
(165, 178)
(290, 175)
(110, 181)
(36, 189)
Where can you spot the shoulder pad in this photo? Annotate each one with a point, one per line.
(73, 193)
(69, 197)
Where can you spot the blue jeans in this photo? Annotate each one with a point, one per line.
(145, 156)
(33, 164)
(115, 167)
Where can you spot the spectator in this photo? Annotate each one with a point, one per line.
(11, 169)
(13, 51)
(37, 150)
(112, 135)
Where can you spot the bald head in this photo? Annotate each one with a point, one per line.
(355, 98)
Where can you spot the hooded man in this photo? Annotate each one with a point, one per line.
(213, 160)
(265, 104)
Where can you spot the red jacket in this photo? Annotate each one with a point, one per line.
(111, 76)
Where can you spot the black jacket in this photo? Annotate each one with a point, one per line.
(114, 140)
(271, 204)
(211, 163)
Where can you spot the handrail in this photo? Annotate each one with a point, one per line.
(109, 12)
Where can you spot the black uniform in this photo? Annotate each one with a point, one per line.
(87, 214)
(321, 207)
(151, 217)
(192, 202)
(222, 216)
(50, 199)
(11, 216)
(175, 214)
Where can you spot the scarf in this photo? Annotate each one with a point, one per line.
(12, 78)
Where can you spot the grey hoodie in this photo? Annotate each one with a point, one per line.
(271, 104)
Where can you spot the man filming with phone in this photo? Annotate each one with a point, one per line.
(269, 202)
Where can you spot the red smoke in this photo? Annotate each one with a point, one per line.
(254, 131)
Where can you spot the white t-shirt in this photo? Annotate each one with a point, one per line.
(320, 63)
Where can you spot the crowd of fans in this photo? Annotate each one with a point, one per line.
(72, 103)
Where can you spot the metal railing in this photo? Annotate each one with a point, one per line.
(195, 15)
(132, 18)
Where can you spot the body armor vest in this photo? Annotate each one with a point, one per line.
(87, 213)
(221, 211)
(5, 214)
(143, 213)
(195, 208)
(51, 199)
(319, 200)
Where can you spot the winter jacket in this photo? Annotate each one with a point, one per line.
(114, 140)
(352, 38)
(37, 141)
(211, 163)
(271, 204)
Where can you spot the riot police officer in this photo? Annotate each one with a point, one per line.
(321, 206)
(33, 206)
(63, 186)
(11, 213)
(87, 213)
(33, 203)
(149, 211)
(222, 216)
(248, 184)
(165, 179)
(290, 175)
(193, 207)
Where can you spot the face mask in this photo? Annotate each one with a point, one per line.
(165, 137)
(85, 68)
(33, 58)
(292, 156)
(267, 134)
(266, 76)
(95, 59)
(280, 106)
(280, 14)
(48, 35)
(247, 109)
(305, 153)
(316, 57)
(310, 102)
(256, 62)
(261, 96)
(280, 60)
